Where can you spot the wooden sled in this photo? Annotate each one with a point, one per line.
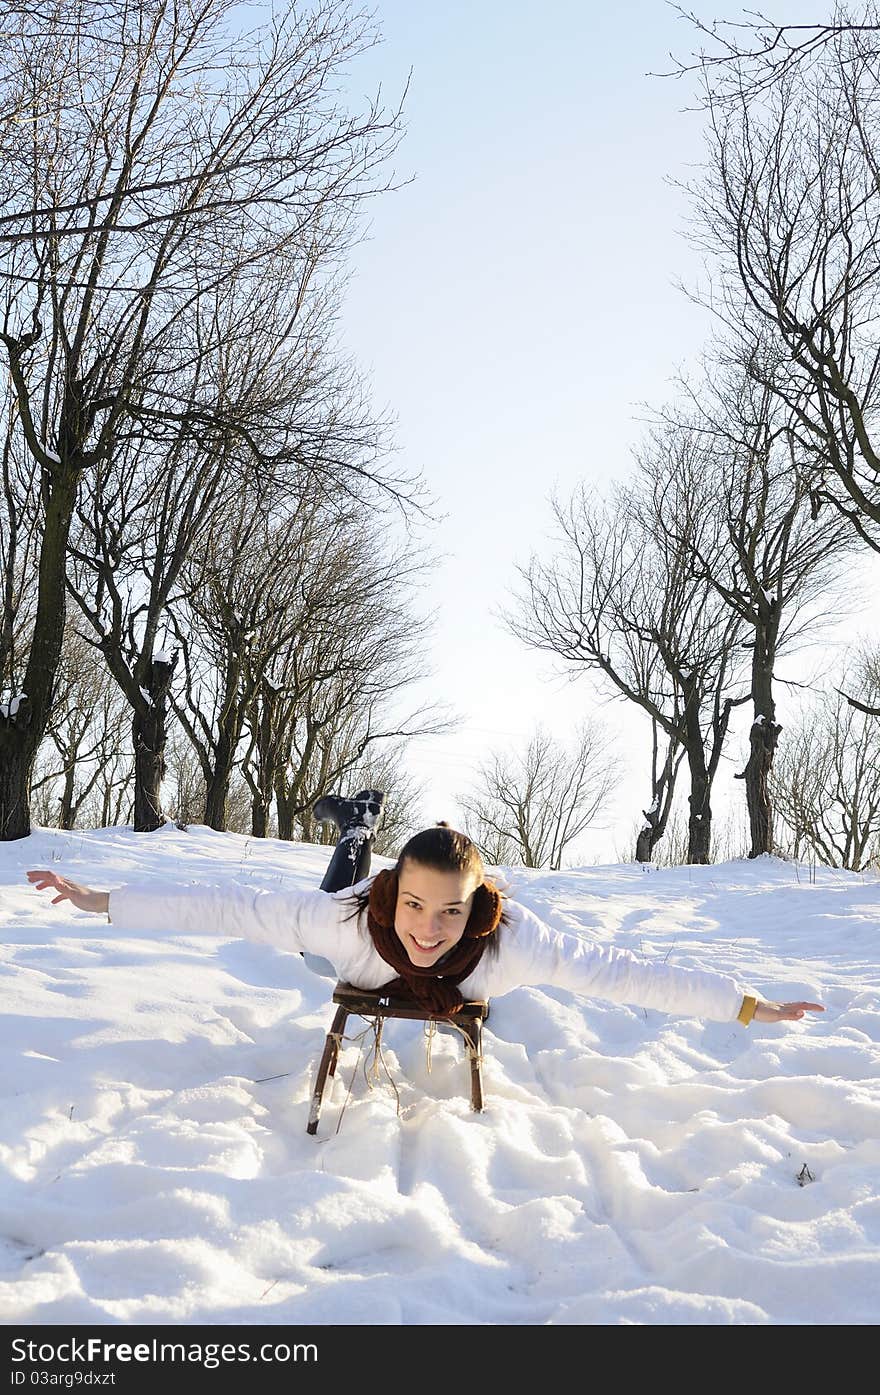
(375, 1005)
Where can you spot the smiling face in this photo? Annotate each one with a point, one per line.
(432, 910)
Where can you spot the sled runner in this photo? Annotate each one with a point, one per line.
(375, 1006)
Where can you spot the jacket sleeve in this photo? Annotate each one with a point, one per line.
(536, 954)
(314, 921)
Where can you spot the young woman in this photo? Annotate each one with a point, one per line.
(433, 927)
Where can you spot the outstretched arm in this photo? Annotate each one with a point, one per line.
(314, 921)
(533, 953)
(82, 896)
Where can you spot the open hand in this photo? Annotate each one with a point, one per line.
(784, 1012)
(82, 896)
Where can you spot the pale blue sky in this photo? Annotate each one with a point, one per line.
(514, 306)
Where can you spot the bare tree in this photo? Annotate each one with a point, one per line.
(498, 848)
(621, 598)
(291, 636)
(672, 850)
(655, 819)
(298, 635)
(82, 773)
(789, 210)
(827, 781)
(539, 802)
(133, 529)
(335, 697)
(258, 583)
(743, 58)
(184, 797)
(110, 801)
(83, 715)
(763, 553)
(730, 839)
(150, 156)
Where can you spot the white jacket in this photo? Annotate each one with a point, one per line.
(529, 952)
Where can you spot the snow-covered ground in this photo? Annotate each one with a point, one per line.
(628, 1168)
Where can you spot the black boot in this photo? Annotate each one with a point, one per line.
(357, 820)
(363, 810)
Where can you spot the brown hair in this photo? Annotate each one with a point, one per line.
(445, 850)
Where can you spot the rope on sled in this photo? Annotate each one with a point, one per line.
(372, 1063)
(471, 1051)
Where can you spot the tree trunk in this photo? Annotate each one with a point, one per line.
(650, 834)
(654, 827)
(267, 760)
(285, 806)
(20, 736)
(149, 730)
(17, 753)
(646, 840)
(217, 790)
(149, 771)
(763, 737)
(66, 814)
(216, 796)
(218, 778)
(663, 788)
(699, 807)
(259, 817)
(700, 816)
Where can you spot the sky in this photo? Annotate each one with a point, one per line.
(629, 1167)
(515, 306)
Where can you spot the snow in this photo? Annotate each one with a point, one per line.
(628, 1167)
(9, 709)
(146, 696)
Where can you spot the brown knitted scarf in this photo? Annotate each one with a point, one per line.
(433, 988)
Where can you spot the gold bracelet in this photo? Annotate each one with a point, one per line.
(747, 1011)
